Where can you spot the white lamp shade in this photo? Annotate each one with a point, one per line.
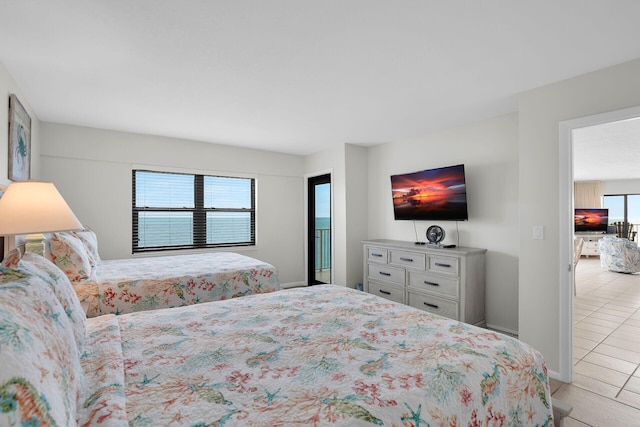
(35, 207)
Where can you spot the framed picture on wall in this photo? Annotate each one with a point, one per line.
(19, 141)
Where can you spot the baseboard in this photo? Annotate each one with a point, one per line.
(507, 331)
(554, 375)
(292, 285)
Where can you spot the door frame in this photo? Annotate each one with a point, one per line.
(307, 177)
(566, 299)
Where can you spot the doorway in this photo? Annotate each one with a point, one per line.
(319, 225)
(566, 229)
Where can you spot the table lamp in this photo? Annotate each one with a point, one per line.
(33, 208)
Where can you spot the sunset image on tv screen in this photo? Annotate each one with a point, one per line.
(430, 195)
(591, 220)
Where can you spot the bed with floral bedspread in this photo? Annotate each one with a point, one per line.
(317, 356)
(147, 283)
(130, 285)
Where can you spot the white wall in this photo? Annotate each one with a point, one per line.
(357, 212)
(92, 169)
(489, 151)
(9, 86)
(348, 166)
(540, 112)
(621, 186)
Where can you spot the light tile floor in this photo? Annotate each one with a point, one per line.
(606, 387)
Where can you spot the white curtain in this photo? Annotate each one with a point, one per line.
(587, 194)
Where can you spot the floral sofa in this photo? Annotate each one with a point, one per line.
(619, 255)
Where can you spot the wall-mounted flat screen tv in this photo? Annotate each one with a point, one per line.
(594, 220)
(431, 195)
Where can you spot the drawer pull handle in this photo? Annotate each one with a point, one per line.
(375, 254)
(406, 259)
(439, 264)
(384, 273)
(431, 283)
(385, 292)
(431, 305)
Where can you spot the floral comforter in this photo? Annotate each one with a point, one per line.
(323, 355)
(130, 285)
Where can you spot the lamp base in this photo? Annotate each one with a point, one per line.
(35, 244)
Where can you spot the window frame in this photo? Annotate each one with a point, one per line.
(625, 198)
(627, 226)
(199, 213)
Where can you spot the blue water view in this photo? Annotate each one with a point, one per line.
(177, 229)
(323, 243)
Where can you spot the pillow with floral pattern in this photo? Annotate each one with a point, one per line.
(70, 255)
(90, 240)
(41, 373)
(61, 287)
(13, 257)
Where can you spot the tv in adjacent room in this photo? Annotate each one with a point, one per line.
(593, 220)
(430, 195)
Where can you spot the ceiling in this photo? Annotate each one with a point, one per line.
(607, 152)
(300, 76)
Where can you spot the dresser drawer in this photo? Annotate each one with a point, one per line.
(435, 305)
(386, 273)
(590, 248)
(444, 264)
(408, 259)
(387, 291)
(377, 255)
(447, 286)
(450, 283)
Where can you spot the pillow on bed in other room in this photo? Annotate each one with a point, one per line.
(41, 373)
(13, 257)
(90, 241)
(70, 255)
(61, 287)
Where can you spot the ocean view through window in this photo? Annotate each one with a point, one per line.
(186, 211)
(624, 209)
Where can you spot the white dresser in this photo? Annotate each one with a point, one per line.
(590, 245)
(446, 281)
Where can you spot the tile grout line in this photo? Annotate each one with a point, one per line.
(600, 291)
(637, 365)
(628, 316)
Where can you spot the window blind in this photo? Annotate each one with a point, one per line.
(185, 211)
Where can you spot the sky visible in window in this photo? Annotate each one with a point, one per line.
(615, 204)
(323, 201)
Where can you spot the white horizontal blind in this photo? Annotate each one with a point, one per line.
(184, 211)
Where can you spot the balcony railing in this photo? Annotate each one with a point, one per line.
(323, 249)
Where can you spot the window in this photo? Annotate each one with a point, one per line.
(615, 204)
(185, 211)
(623, 208)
